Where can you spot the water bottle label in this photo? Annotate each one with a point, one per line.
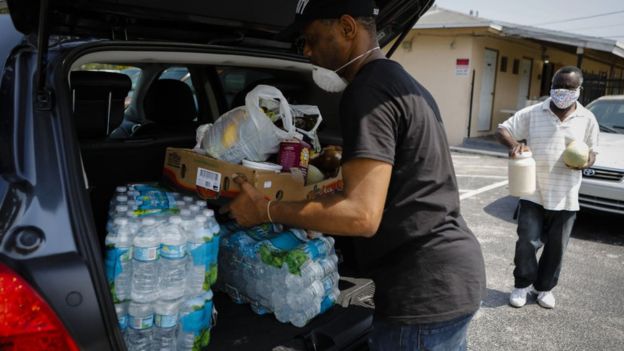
(195, 321)
(328, 284)
(153, 200)
(173, 251)
(327, 303)
(145, 253)
(314, 248)
(140, 323)
(263, 231)
(115, 256)
(165, 321)
(213, 256)
(285, 241)
(211, 277)
(123, 322)
(199, 254)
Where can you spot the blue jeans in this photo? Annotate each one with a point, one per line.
(536, 227)
(444, 336)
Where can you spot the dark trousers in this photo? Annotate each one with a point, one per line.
(443, 336)
(539, 227)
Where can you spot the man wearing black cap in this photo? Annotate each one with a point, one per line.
(400, 200)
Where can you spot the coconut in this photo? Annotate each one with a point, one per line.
(576, 154)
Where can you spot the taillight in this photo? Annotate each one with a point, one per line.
(26, 321)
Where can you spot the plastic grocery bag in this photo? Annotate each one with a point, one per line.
(249, 132)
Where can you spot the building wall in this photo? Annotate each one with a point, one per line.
(507, 83)
(432, 61)
(431, 56)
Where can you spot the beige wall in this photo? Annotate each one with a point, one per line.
(507, 83)
(431, 60)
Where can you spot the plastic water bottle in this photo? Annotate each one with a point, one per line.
(172, 271)
(145, 262)
(117, 212)
(213, 247)
(195, 322)
(121, 309)
(165, 325)
(199, 240)
(311, 271)
(121, 190)
(134, 222)
(194, 209)
(119, 259)
(118, 200)
(140, 323)
(188, 199)
(188, 220)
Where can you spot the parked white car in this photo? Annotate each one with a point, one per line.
(603, 184)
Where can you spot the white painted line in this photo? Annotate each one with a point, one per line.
(464, 156)
(465, 190)
(482, 190)
(487, 176)
(479, 166)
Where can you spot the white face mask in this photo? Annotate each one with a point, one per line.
(564, 98)
(329, 80)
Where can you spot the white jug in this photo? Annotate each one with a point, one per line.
(521, 172)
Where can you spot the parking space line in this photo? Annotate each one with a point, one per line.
(482, 190)
(487, 176)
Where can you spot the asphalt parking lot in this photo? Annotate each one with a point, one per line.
(589, 313)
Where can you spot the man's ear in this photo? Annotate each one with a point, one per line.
(348, 26)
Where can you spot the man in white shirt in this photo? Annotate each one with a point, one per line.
(547, 216)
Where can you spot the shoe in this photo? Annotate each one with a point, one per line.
(546, 299)
(518, 296)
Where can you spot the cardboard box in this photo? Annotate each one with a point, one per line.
(211, 179)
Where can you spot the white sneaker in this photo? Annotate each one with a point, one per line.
(546, 299)
(518, 296)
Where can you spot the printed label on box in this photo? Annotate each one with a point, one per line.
(208, 179)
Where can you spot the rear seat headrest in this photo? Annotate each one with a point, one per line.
(169, 101)
(98, 101)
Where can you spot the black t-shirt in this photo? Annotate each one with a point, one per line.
(427, 265)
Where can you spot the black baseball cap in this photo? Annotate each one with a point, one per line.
(310, 10)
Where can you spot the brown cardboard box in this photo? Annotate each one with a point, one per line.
(212, 179)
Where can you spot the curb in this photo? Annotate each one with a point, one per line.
(478, 152)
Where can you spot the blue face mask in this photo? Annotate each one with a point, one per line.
(564, 98)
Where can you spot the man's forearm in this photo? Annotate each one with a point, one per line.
(332, 214)
(505, 138)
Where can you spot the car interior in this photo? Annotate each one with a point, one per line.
(123, 136)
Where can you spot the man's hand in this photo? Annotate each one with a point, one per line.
(249, 207)
(590, 162)
(517, 149)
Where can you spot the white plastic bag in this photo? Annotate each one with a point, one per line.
(247, 132)
(302, 112)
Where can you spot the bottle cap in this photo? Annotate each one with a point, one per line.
(524, 154)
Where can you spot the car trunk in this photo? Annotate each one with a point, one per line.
(109, 163)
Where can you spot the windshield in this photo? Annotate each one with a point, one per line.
(609, 114)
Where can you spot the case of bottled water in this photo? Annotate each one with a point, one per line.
(279, 271)
(161, 261)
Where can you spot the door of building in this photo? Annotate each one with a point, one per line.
(524, 84)
(486, 96)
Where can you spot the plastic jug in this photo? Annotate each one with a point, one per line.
(521, 173)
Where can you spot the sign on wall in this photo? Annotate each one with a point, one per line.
(462, 66)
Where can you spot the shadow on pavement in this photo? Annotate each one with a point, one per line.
(495, 299)
(503, 208)
(599, 227)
